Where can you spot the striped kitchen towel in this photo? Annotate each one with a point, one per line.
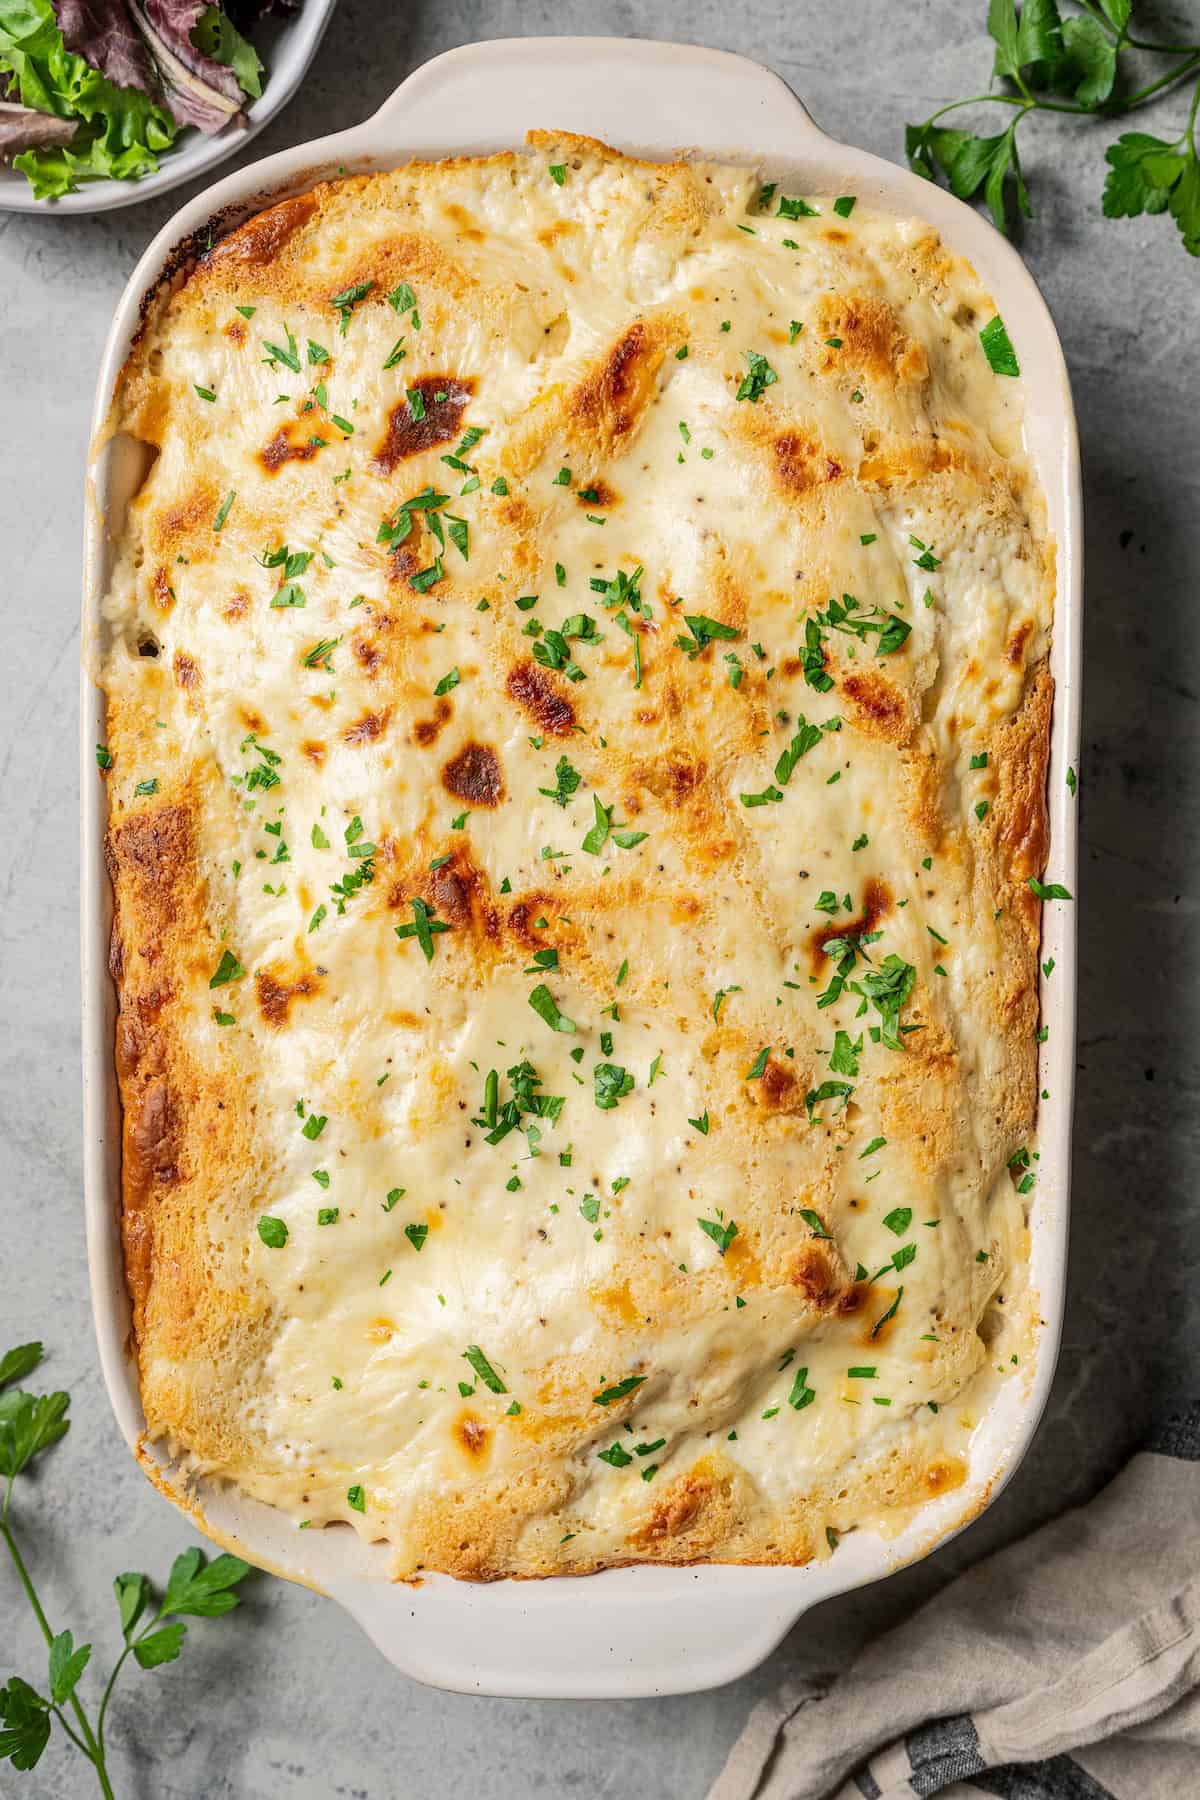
(1066, 1667)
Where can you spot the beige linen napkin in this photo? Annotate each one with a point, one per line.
(1066, 1667)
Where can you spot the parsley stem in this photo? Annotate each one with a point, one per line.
(979, 100)
(73, 1735)
(1164, 81)
(1162, 49)
(87, 1743)
(1105, 25)
(116, 1670)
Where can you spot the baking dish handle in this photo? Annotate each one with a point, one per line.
(618, 1635)
(691, 94)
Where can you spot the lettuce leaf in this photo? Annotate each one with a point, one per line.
(217, 36)
(21, 128)
(121, 130)
(200, 90)
(102, 32)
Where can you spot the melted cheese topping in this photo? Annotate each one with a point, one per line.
(578, 723)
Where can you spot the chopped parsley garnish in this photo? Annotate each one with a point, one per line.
(828, 1090)
(795, 209)
(498, 1120)
(758, 379)
(552, 649)
(804, 739)
(618, 1391)
(273, 1232)
(889, 988)
(598, 836)
(997, 347)
(610, 1083)
(545, 1006)
(721, 1234)
(289, 358)
(321, 655)
(228, 969)
(1050, 890)
(848, 615)
(890, 1313)
(345, 302)
(424, 927)
(567, 779)
(801, 1394)
(704, 630)
(483, 1368)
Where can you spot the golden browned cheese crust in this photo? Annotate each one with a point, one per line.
(579, 711)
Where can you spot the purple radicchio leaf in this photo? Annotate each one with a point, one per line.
(22, 128)
(102, 32)
(198, 90)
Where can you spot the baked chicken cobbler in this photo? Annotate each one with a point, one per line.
(578, 713)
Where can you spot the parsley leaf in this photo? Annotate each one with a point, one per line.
(1148, 175)
(619, 1390)
(758, 379)
(997, 347)
(610, 1083)
(29, 1424)
(424, 927)
(546, 1007)
(483, 1368)
(567, 779)
(721, 1234)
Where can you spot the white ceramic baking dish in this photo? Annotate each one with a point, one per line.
(634, 1631)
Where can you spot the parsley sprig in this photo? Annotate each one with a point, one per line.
(1075, 63)
(150, 1623)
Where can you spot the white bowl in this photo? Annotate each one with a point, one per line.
(632, 1631)
(287, 46)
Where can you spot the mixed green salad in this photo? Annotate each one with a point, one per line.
(93, 88)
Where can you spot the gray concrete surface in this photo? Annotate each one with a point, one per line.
(289, 1701)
